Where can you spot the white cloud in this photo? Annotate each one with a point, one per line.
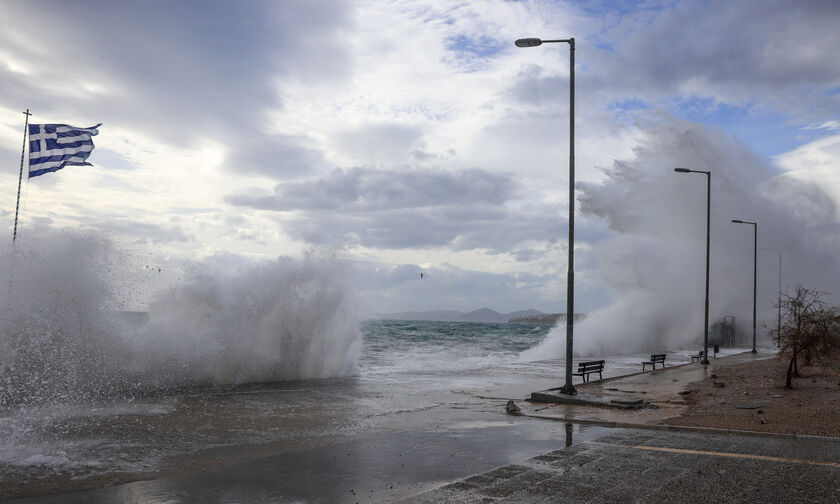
(815, 164)
(833, 125)
(269, 101)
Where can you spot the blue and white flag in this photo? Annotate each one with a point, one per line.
(54, 146)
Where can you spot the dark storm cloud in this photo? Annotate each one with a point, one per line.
(369, 189)
(534, 87)
(209, 70)
(495, 231)
(411, 208)
(773, 54)
(276, 156)
(776, 42)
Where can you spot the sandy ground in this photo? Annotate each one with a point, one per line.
(751, 396)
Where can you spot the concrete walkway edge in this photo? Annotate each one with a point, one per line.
(682, 428)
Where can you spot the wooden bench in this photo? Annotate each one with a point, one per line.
(587, 368)
(654, 360)
(698, 357)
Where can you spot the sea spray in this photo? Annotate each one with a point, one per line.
(55, 342)
(272, 321)
(654, 263)
(63, 340)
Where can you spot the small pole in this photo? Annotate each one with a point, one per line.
(779, 307)
(20, 177)
(708, 225)
(755, 275)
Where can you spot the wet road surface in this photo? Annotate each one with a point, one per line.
(643, 466)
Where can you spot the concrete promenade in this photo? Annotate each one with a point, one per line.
(643, 459)
(643, 466)
(644, 399)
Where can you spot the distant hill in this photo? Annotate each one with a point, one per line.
(545, 318)
(480, 315)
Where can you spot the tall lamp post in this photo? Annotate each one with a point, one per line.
(755, 266)
(708, 224)
(779, 305)
(568, 388)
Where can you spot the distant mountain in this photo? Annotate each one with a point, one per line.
(480, 315)
(443, 315)
(545, 318)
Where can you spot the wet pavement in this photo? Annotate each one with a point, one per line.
(384, 466)
(642, 459)
(460, 446)
(639, 399)
(647, 466)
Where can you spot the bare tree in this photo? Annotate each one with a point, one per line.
(810, 328)
(826, 326)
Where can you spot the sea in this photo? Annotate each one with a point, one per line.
(414, 405)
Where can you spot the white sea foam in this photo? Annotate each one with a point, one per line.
(60, 341)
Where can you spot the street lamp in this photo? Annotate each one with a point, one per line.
(568, 388)
(755, 266)
(708, 223)
(779, 306)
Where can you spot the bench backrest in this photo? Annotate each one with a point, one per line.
(590, 365)
(657, 358)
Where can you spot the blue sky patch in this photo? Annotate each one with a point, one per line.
(768, 133)
(482, 48)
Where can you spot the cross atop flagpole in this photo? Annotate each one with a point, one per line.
(20, 177)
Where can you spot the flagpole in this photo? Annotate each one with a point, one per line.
(20, 177)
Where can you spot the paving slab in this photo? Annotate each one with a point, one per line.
(642, 399)
(629, 465)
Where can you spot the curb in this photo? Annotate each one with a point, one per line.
(684, 428)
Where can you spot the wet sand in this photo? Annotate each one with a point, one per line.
(751, 396)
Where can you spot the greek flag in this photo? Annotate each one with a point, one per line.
(54, 146)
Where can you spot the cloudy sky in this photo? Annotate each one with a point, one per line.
(406, 136)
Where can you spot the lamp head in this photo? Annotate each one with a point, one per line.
(528, 42)
(738, 221)
(682, 170)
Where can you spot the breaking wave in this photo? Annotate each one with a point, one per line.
(63, 337)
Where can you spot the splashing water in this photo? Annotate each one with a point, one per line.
(654, 263)
(62, 340)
